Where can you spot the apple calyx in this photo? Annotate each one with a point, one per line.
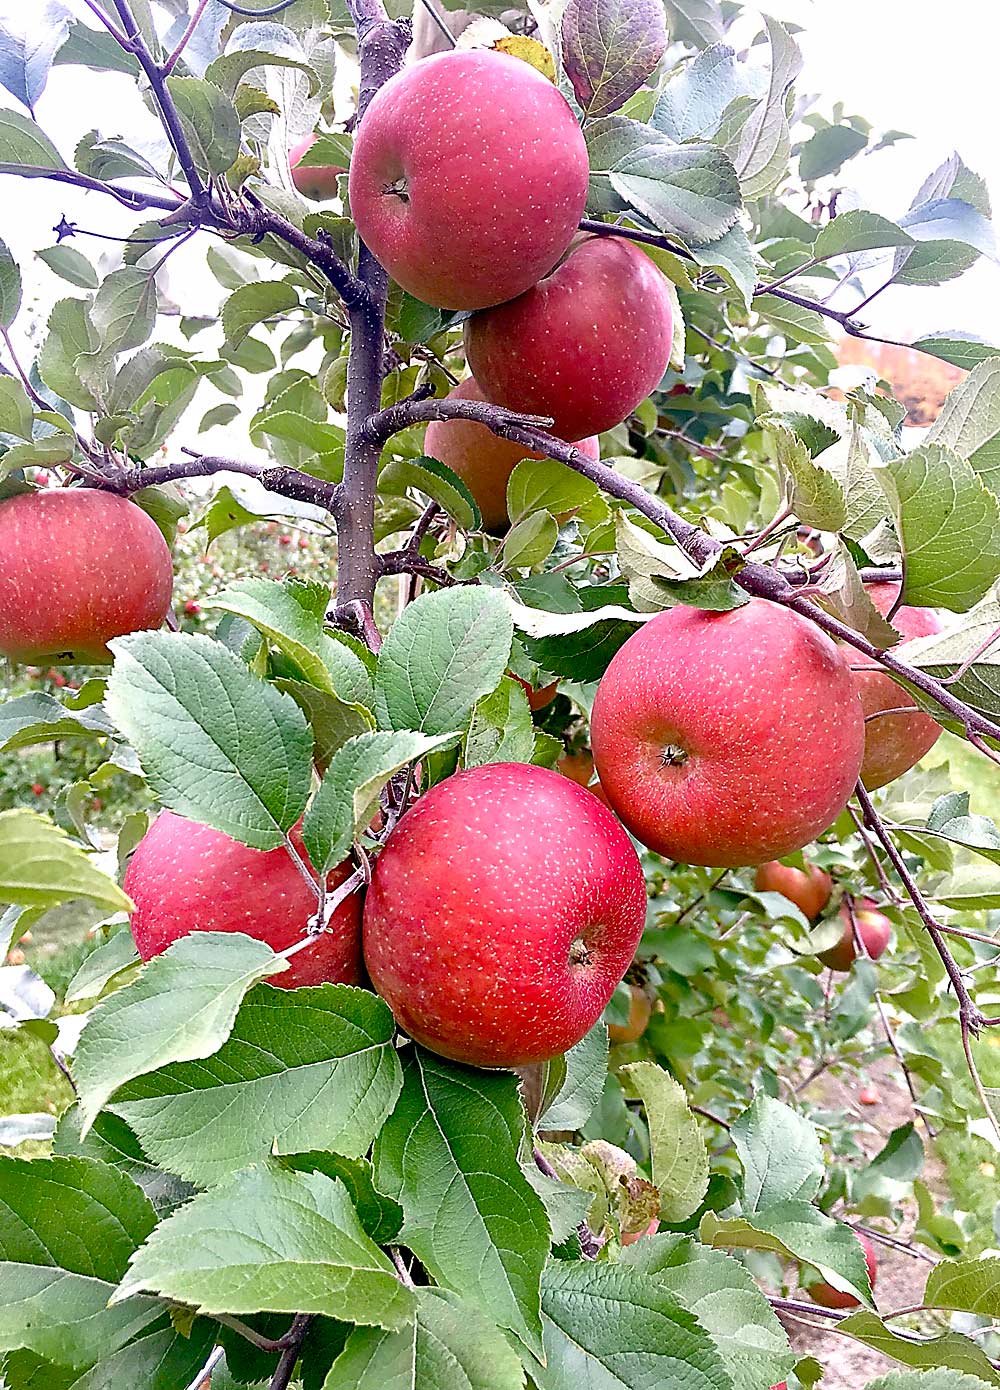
(399, 189)
(579, 953)
(674, 755)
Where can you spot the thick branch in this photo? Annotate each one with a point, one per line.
(286, 482)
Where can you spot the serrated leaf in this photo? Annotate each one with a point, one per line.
(615, 1328)
(38, 718)
(828, 149)
(302, 1069)
(436, 481)
(67, 1229)
(252, 304)
(963, 350)
(448, 1155)
(949, 526)
(16, 411)
(24, 145)
(180, 1008)
(780, 1153)
(762, 150)
(124, 309)
(852, 460)
(501, 728)
(530, 541)
(842, 593)
(679, 1156)
(689, 190)
(693, 103)
(111, 1141)
(797, 1231)
(546, 485)
(291, 616)
(70, 338)
(101, 966)
(27, 49)
(442, 654)
(96, 48)
(10, 287)
(799, 324)
(732, 257)
(583, 1073)
(950, 1349)
(348, 796)
(857, 230)
(217, 745)
(698, 22)
(41, 866)
(927, 1380)
(965, 1286)
(209, 121)
(69, 264)
(268, 1240)
(610, 47)
(814, 495)
(969, 422)
(451, 1345)
(724, 1297)
(263, 45)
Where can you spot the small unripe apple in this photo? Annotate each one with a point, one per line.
(503, 911)
(630, 1237)
(639, 1013)
(727, 738)
(585, 345)
(469, 177)
(893, 742)
(481, 458)
(78, 567)
(828, 1297)
(874, 928)
(318, 182)
(808, 889)
(186, 877)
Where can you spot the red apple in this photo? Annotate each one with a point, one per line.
(875, 930)
(828, 1297)
(578, 767)
(78, 567)
(538, 697)
(639, 1014)
(630, 1237)
(481, 458)
(868, 1096)
(808, 889)
(893, 742)
(186, 877)
(727, 738)
(585, 345)
(319, 181)
(468, 178)
(503, 911)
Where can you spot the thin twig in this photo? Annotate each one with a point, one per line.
(404, 1274)
(293, 1340)
(168, 66)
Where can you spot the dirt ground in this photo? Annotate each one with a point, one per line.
(901, 1277)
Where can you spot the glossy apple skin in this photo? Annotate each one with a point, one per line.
(727, 738)
(875, 929)
(828, 1297)
(639, 1014)
(78, 567)
(482, 459)
(186, 877)
(318, 182)
(496, 175)
(503, 911)
(893, 742)
(808, 889)
(585, 345)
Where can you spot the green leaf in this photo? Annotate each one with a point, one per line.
(180, 1008)
(290, 615)
(583, 1073)
(451, 1346)
(71, 337)
(546, 485)
(928, 1380)
(680, 1159)
(436, 481)
(693, 103)
(98, 49)
(124, 310)
(698, 22)
(40, 718)
(442, 654)
(857, 230)
(134, 378)
(780, 1153)
(252, 304)
(106, 961)
(160, 1357)
(231, 68)
(691, 190)
(266, 1240)
(209, 122)
(799, 324)
(949, 526)
(814, 495)
(969, 422)
(950, 1349)
(24, 145)
(67, 1229)
(16, 411)
(69, 264)
(501, 729)
(301, 1069)
(217, 745)
(10, 286)
(762, 149)
(797, 1231)
(530, 541)
(111, 1141)
(41, 866)
(615, 1328)
(853, 461)
(732, 257)
(610, 47)
(448, 1155)
(828, 149)
(963, 350)
(724, 1297)
(349, 794)
(965, 1286)
(381, 1217)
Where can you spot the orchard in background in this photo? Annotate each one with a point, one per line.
(494, 891)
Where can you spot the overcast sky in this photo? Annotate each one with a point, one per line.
(929, 69)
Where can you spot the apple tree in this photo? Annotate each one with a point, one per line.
(452, 1022)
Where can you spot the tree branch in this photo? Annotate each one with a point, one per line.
(286, 482)
(292, 1342)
